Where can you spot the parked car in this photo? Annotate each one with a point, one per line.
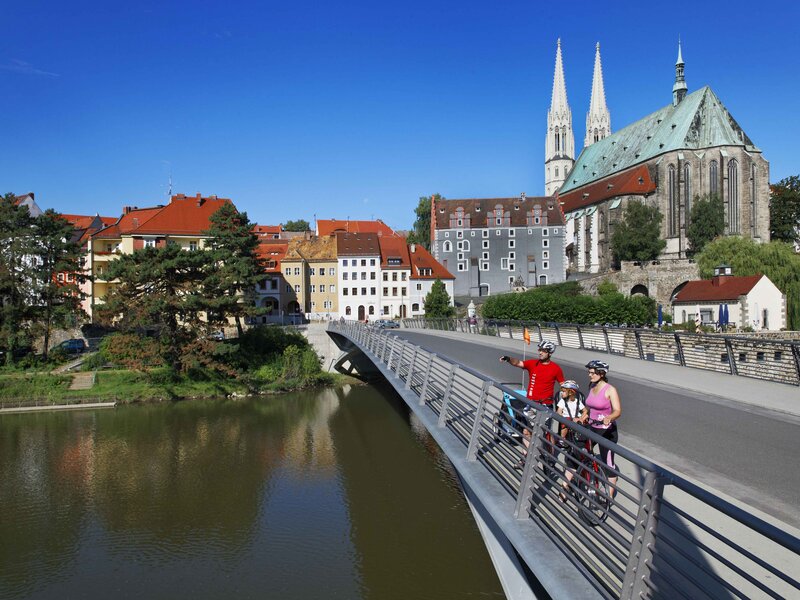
(386, 324)
(217, 336)
(72, 346)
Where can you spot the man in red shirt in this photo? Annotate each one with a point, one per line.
(543, 376)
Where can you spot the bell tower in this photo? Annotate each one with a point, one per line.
(559, 154)
(598, 119)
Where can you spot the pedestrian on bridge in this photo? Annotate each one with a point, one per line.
(543, 374)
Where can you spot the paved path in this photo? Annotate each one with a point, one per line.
(735, 435)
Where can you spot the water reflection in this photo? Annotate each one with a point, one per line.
(327, 494)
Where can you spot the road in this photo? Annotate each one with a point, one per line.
(743, 450)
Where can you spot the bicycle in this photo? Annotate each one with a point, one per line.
(588, 486)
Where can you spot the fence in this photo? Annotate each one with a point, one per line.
(747, 356)
(659, 535)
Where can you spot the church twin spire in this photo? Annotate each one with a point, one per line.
(598, 119)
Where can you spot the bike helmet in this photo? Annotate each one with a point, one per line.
(547, 346)
(569, 384)
(598, 365)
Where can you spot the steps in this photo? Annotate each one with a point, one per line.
(82, 381)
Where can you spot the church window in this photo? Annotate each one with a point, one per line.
(672, 191)
(687, 189)
(557, 137)
(713, 177)
(556, 171)
(733, 197)
(753, 201)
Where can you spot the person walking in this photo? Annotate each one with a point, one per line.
(603, 408)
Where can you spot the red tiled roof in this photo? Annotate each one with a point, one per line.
(357, 244)
(717, 289)
(330, 226)
(182, 216)
(634, 181)
(267, 229)
(275, 250)
(422, 259)
(85, 221)
(394, 248)
(128, 222)
(475, 210)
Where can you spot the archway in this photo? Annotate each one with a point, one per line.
(293, 307)
(677, 289)
(362, 312)
(639, 289)
(271, 304)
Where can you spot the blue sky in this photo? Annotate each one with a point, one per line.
(354, 109)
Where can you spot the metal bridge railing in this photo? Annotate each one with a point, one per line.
(659, 536)
(759, 358)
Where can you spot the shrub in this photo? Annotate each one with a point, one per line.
(132, 351)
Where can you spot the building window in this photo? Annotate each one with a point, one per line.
(394, 291)
(545, 232)
(332, 289)
(713, 177)
(512, 255)
(371, 264)
(344, 264)
(672, 204)
(288, 288)
(537, 220)
(363, 275)
(371, 309)
(288, 270)
(415, 307)
(312, 271)
(322, 288)
(150, 243)
(485, 233)
(511, 233)
(313, 289)
(313, 304)
(353, 275)
(485, 266)
(465, 245)
(460, 256)
(545, 264)
(386, 291)
(459, 234)
(511, 243)
(192, 246)
(462, 266)
(297, 270)
(446, 234)
(419, 287)
(448, 247)
(485, 256)
(347, 310)
(511, 266)
(363, 291)
(545, 243)
(753, 201)
(394, 276)
(296, 289)
(354, 291)
(542, 279)
(385, 310)
(372, 275)
(485, 244)
(372, 291)
(497, 232)
(733, 196)
(687, 190)
(363, 262)
(545, 254)
(555, 231)
(471, 234)
(344, 276)
(504, 264)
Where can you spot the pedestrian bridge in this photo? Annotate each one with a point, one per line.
(661, 536)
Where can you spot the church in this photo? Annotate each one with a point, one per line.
(690, 148)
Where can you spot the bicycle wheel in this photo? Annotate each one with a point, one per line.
(592, 499)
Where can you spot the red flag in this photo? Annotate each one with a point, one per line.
(526, 336)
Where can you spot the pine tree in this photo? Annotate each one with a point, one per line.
(437, 302)
(230, 283)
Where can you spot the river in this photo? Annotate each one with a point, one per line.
(325, 494)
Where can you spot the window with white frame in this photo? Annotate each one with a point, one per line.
(459, 234)
(530, 231)
(497, 232)
(498, 221)
(151, 243)
(297, 270)
(465, 245)
(537, 220)
(460, 256)
(313, 304)
(545, 265)
(485, 233)
(344, 262)
(545, 254)
(322, 288)
(512, 232)
(545, 232)
(485, 244)
(297, 289)
(419, 287)
(485, 266)
(448, 247)
(462, 266)
(511, 280)
(504, 264)
(371, 262)
(446, 234)
(312, 271)
(555, 231)
(460, 245)
(192, 246)
(313, 288)
(288, 270)
(344, 276)
(511, 243)
(485, 256)
(471, 234)
(333, 289)
(512, 255)
(510, 266)
(545, 243)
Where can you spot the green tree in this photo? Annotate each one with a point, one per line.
(776, 260)
(638, 235)
(229, 287)
(16, 282)
(784, 210)
(706, 221)
(158, 288)
(58, 301)
(298, 225)
(421, 233)
(437, 302)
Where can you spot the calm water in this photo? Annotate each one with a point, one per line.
(332, 494)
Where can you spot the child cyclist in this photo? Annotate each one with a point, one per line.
(569, 404)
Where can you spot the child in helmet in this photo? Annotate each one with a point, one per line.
(569, 404)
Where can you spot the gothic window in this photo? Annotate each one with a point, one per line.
(556, 171)
(713, 177)
(753, 200)
(733, 197)
(557, 136)
(448, 247)
(596, 136)
(687, 189)
(672, 190)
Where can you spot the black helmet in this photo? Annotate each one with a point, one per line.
(598, 365)
(547, 346)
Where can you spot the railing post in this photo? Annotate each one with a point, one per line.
(637, 334)
(535, 450)
(558, 333)
(508, 327)
(391, 352)
(426, 379)
(472, 449)
(411, 367)
(399, 361)
(539, 330)
(387, 346)
(731, 361)
(446, 398)
(640, 557)
(608, 340)
(795, 348)
(679, 348)
(580, 336)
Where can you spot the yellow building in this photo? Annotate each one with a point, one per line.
(309, 269)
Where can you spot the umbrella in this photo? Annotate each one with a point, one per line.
(725, 316)
(660, 316)
(721, 317)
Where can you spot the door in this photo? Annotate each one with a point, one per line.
(361, 313)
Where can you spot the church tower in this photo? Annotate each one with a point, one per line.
(679, 89)
(559, 153)
(598, 119)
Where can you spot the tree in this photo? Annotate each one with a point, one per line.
(229, 287)
(298, 225)
(16, 283)
(437, 302)
(784, 210)
(158, 288)
(638, 235)
(706, 221)
(56, 277)
(421, 233)
(776, 260)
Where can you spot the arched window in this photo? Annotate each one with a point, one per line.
(556, 171)
(557, 138)
(371, 310)
(415, 307)
(672, 191)
(465, 245)
(596, 136)
(753, 201)
(347, 311)
(448, 246)
(713, 178)
(687, 190)
(733, 197)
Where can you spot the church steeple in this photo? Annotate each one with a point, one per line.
(598, 119)
(560, 142)
(679, 89)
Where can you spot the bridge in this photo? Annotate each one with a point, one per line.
(661, 535)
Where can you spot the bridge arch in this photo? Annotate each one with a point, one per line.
(640, 289)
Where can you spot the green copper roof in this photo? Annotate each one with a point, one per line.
(699, 121)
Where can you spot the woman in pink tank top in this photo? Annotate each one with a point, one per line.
(603, 408)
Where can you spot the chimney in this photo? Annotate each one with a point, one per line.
(126, 209)
(721, 274)
(413, 248)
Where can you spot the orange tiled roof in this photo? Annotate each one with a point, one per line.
(85, 221)
(422, 259)
(182, 216)
(634, 181)
(394, 248)
(331, 226)
(717, 289)
(272, 250)
(267, 230)
(128, 223)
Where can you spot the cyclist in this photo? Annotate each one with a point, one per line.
(571, 405)
(602, 410)
(543, 373)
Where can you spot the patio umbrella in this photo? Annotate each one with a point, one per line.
(721, 315)
(725, 315)
(660, 316)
